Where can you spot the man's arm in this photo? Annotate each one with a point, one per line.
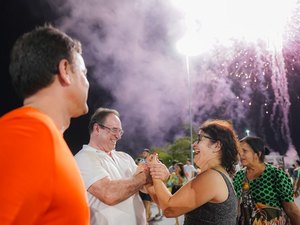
(112, 192)
(26, 177)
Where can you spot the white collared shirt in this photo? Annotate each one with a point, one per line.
(94, 165)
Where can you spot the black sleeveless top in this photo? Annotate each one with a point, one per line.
(224, 213)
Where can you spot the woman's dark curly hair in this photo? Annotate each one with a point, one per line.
(181, 166)
(222, 131)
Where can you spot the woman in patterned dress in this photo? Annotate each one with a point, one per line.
(268, 185)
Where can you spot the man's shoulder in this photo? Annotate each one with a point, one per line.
(25, 115)
(31, 123)
(22, 111)
(122, 154)
(125, 157)
(85, 151)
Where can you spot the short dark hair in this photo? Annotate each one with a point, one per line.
(146, 150)
(181, 166)
(35, 57)
(100, 115)
(222, 131)
(257, 145)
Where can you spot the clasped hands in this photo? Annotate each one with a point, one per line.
(154, 168)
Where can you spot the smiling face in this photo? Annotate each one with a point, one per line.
(107, 139)
(204, 149)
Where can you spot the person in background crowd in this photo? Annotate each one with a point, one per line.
(296, 179)
(209, 198)
(268, 185)
(172, 168)
(189, 170)
(291, 170)
(145, 196)
(177, 180)
(40, 181)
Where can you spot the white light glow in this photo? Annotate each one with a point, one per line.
(247, 131)
(208, 22)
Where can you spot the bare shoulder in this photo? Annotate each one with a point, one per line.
(208, 179)
(212, 182)
(208, 175)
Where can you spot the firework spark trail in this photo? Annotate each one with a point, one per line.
(262, 85)
(280, 109)
(130, 46)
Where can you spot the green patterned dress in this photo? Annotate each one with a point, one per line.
(271, 188)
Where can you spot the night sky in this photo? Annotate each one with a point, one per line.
(154, 117)
(17, 17)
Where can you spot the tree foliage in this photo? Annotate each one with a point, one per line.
(179, 150)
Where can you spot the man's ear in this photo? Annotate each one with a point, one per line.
(64, 71)
(96, 127)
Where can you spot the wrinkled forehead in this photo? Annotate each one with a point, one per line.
(113, 120)
(245, 145)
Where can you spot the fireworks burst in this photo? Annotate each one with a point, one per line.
(241, 53)
(251, 36)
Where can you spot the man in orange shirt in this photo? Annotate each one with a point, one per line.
(40, 181)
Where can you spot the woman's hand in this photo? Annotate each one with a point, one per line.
(157, 169)
(141, 168)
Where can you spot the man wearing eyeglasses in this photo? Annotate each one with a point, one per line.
(111, 177)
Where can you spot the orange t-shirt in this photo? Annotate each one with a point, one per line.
(40, 183)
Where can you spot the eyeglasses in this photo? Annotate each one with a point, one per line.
(196, 152)
(203, 136)
(113, 130)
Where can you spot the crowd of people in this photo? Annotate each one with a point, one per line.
(294, 173)
(42, 183)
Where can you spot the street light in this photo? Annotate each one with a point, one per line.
(189, 46)
(190, 108)
(247, 132)
(192, 44)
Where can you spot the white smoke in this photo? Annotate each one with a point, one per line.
(130, 46)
